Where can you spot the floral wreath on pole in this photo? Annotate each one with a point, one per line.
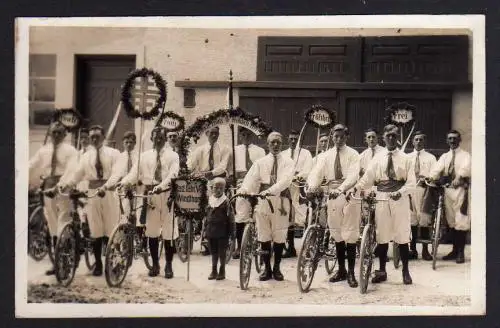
(173, 122)
(129, 85)
(235, 116)
(183, 199)
(320, 117)
(69, 118)
(401, 114)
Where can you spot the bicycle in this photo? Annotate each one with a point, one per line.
(438, 229)
(74, 239)
(39, 240)
(127, 242)
(368, 240)
(250, 246)
(317, 244)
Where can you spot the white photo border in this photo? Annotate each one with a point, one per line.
(474, 23)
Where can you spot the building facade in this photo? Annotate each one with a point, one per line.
(277, 74)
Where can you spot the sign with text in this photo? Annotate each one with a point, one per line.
(190, 195)
(320, 117)
(402, 116)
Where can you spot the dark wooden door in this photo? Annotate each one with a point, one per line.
(284, 110)
(99, 81)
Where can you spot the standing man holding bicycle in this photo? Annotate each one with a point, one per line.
(342, 176)
(271, 175)
(453, 167)
(303, 161)
(245, 154)
(155, 169)
(421, 161)
(52, 161)
(96, 167)
(389, 171)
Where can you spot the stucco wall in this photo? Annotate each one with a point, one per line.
(195, 54)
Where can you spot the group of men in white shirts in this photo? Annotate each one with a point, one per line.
(287, 177)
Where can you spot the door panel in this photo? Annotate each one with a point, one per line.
(99, 81)
(285, 114)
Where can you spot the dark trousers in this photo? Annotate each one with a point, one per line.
(218, 248)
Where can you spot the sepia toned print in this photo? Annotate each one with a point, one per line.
(330, 167)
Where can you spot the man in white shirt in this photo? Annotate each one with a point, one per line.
(158, 166)
(96, 166)
(340, 167)
(271, 175)
(371, 139)
(302, 159)
(389, 172)
(454, 166)
(323, 147)
(52, 161)
(212, 158)
(245, 155)
(84, 140)
(421, 161)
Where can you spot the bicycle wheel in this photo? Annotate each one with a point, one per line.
(308, 259)
(38, 235)
(366, 257)
(247, 252)
(89, 254)
(118, 255)
(396, 257)
(230, 250)
(331, 256)
(436, 235)
(66, 257)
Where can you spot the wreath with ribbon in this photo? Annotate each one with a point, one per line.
(203, 204)
(174, 116)
(203, 123)
(308, 117)
(400, 106)
(127, 94)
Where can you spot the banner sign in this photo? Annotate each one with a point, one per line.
(320, 117)
(190, 195)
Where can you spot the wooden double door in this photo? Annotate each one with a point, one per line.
(358, 109)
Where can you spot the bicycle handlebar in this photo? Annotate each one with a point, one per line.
(254, 196)
(371, 196)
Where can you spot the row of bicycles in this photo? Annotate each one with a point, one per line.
(319, 246)
(128, 242)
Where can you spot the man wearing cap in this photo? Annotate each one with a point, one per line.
(421, 161)
(302, 160)
(157, 168)
(96, 166)
(50, 162)
(390, 172)
(454, 167)
(212, 158)
(271, 175)
(371, 139)
(340, 167)
(245, 155)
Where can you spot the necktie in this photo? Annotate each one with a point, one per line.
(292, 152)
(98, 164)
(211, 158)
(129, 162)
(451, 168)
(158, 167)
(390, 168)
(337, 167)
(53, 162)
(417, 165)
(248, 161)
(274, 170)
(373, 152)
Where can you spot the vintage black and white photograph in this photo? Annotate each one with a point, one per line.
(250, 166)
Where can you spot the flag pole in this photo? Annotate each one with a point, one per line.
(233, 141)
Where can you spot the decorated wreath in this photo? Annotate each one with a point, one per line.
(202, 193)
(173, 122)
(205, 122)
(127, 91)
(320, 117)
(401, 114)
(68, 117)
